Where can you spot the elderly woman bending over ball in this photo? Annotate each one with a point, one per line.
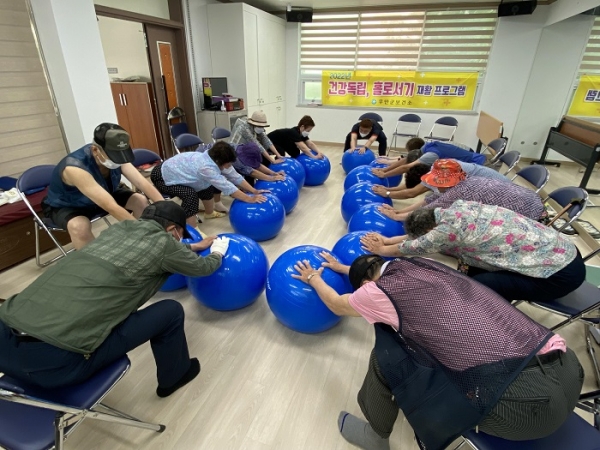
(515, 256)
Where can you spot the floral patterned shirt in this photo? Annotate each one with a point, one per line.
(494, 238)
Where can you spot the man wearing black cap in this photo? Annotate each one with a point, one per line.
(85, 184)
(450, 353)
(82, 313)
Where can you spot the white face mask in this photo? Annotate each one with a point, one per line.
(305, 133)
(110, 164)
(363, 135)
(259, 130)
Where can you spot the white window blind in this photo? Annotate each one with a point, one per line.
(456, 40)
(590, 63)
(29, 131)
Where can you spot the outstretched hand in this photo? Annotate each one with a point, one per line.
(203, 244)
(305, 270)
(378, 172)
(258, 199)
(380, 190)
(332, 263)
(362, 150)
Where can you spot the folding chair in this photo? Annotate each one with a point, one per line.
(499, 147)
(510, 159)
(218, 133)
(537, 176)
(407, 126)
(572, 200)
(38, 178)
(187, 142)
(143, 156)
(446, 124)
(35, 418)
(575, 433)
(372, 116)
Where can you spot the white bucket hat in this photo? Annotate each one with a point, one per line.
(258, 119)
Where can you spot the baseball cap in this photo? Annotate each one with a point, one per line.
(169, 211)
(360, 267)
(249, 154)
(444, 173)
(115, 142)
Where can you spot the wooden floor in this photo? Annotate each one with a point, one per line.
(263, 386)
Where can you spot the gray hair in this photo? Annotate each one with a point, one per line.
(420, 222)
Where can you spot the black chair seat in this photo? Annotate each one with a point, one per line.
(582, 298)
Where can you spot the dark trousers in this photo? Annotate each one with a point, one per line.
(534, 405)
(515, 286)
(381, 139)
(48, 366)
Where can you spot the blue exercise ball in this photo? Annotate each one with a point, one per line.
(296, 304)
(368, 218)
(258, 221)
(292, 168)
(177, 280)
(286, 191)
(359, 195)
(317, 170)
(393, 181)
(352, 159)
(360, 174)
(240, 279)
(347, 249)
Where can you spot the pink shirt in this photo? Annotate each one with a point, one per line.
(371, 303)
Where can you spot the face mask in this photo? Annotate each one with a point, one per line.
(179, 238)
(259, 130)
(110, 164)
(305, 133)
(363, 135)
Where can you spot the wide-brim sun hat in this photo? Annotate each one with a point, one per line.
(258, 119)
(444, 173)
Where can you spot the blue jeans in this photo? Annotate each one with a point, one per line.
(49, 366)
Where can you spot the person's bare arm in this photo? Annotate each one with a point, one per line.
(353, 139)
(310, 144)
(306, 150)
(263, 176)
(140, 182)
(84, 181)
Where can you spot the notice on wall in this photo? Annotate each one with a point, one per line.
(586, 101)
(403, 90)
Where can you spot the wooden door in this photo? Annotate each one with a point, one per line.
(117, 93)
(141, 116)
(155, 35)
(168, 74)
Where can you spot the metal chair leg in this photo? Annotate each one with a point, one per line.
(592, 353)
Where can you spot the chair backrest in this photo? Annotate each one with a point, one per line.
(449, 121)
(220, 133)
(371, 115)
(510, 159)
(408, 125)
(186, 140)
(443, 129)
(536, 175)
(414, 118)
(499, 147)
(143, 156)
(563, 196)
(37, 177)
(178, 129)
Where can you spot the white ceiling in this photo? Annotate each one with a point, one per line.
(280, 5)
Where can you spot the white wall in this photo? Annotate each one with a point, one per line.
(75, 61)
(124, 47)
(157, 8)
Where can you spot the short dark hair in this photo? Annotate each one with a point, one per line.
(414, 143)
(414, 174)
(366, 123)
(413, 155)
(363, 268)
(222, 153)
(420, 222)
(306, 122)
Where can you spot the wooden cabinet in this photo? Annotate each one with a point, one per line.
(251, 54)
(136, 113)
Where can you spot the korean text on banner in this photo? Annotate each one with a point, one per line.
(586, 101)
(406, 90)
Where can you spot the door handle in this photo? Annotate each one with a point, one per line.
(121, 99)
(124, 99)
